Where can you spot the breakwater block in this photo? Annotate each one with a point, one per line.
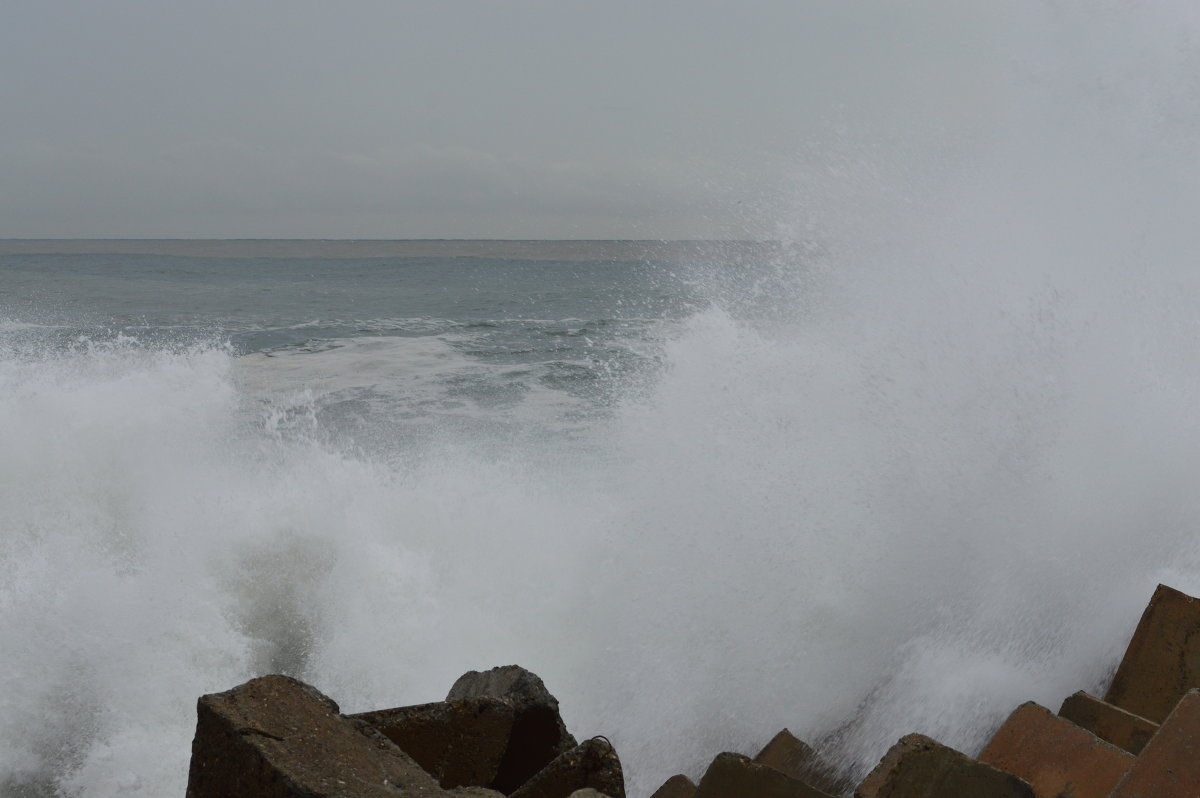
(735, 776)
(1169, 765)
(460, 743)
(1110, 723)
(920, 767)
(591, 764)
(1055, 756)
(1162, 661)
(678, 786)
(538, 733)
(792, 756)
(275, 737)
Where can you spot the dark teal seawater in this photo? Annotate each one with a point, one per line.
(489, 345)
(263, 303)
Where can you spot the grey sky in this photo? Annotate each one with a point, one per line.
(437, 118)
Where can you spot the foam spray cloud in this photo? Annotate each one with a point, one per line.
(944, 473)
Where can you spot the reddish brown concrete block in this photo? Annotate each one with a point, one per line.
(275, 737)
(1112, 724)
(792, 756)
(1169, 765)
(460, 743)
(1055, 756)
(918, 767)
(678, 786)
(735, 776)
(1162, 661)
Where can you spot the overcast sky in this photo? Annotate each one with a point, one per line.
(456, 118)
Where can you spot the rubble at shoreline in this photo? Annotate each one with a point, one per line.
(499, 733)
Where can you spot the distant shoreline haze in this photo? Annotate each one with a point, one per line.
(613, 250)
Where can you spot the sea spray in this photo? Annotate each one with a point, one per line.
(947, 482)
(166, 535)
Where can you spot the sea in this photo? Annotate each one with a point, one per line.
(916, 454)
(693, 485)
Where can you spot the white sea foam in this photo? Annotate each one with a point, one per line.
(425, 382)
(11, 326)
(392, 363)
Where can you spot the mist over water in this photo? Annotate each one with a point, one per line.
(928, 464)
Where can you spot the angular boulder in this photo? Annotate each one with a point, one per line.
(1169, 765)
(538, 733)
(460, 743)
(1055, 756)
(1162, 661)
(593, 764)
(678, 786)
(1110, 723)
(735, 776)
(276, 737)
(919, 767)
(792, 756)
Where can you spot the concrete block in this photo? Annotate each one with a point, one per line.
(1055, 756)
(460, 743)
(919, 767)
(1110, 723)
(791, 755)
(735, 776)
(591, 764)
(1162, 661)
(275, 737)
(678, 786)
(1169, 765)
(538, 733)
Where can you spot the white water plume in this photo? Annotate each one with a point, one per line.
(947, 480)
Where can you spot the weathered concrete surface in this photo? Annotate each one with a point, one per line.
(678, 786)
(593, 763)
(460, 743)
(1110, 723)
(792, 756)
(1055, 756)
(1162, 661)
(276, 737)
(1169, 765)
(735, 776)
(538, 733)
(919, 767)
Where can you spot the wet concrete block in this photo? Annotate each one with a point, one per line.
(1110, 723)
(1055, 756)
(460, 743)
(919, 767)
(276, 737)
(735, 776)
(591, 764)
(538, 734)
(678, 786)
(792, 756)
(1169, 765)
(1162, 661)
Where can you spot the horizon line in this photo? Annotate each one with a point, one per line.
(285, 238)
